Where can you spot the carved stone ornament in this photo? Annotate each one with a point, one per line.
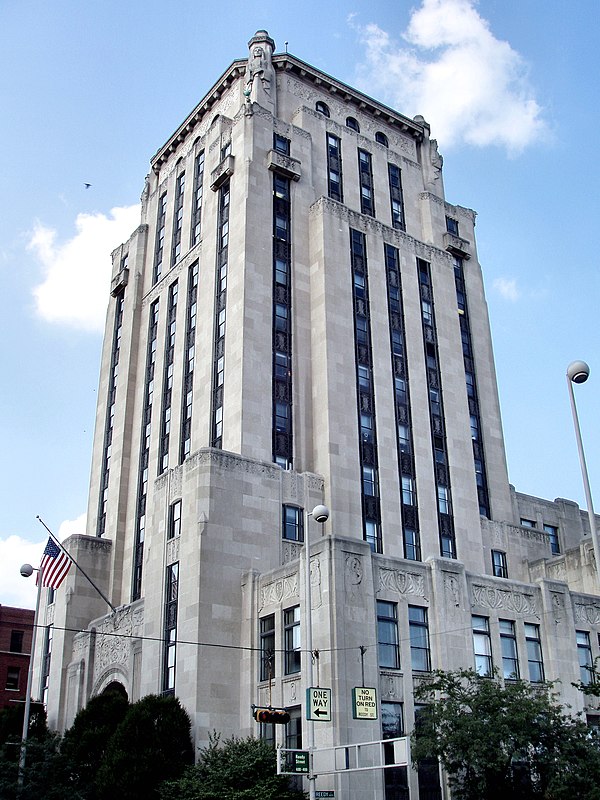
(114, 638)
(399, 580)
(222, 463)
(558, 606)
(315, 582)
(173, 550)
(353, 576)
(588, 613)
(452, 592)
(279, 590)
(389, 686)
(505, 599)
(290, 551)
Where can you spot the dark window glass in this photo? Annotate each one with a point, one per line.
(499, 565)
(291, 634)
(174, 520)
(584, 653)
(12, 678)
(281, 144)
(292, 524)
(534, 653)
(552, 532)
(16, 641)
(508, 645)
(419, 639)
(387, 635)
(322, 108)
(267, 647)
(452, 226)
(352, 124)
(482, 646)
(381, 138)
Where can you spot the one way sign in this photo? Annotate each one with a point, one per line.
(318, 704)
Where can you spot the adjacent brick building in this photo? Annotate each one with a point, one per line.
(16, 625)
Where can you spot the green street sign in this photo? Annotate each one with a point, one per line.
(297, 762)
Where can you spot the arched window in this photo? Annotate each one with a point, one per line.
(353, 124)
(322, 108)
(381, 138)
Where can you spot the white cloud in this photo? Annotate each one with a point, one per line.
(75, 289)
(507, 288)
(470, 86)
(15, 590)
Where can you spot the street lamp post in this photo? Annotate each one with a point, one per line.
(27, 571)
(578, 372)
(321, 515)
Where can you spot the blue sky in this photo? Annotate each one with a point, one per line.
(89, 91)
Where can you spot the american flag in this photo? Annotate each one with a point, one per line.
(55, 565)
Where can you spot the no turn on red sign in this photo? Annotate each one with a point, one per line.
(364, 702)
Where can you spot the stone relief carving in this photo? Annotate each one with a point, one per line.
(587, 613)
(315, 582)
(507, 599)
(389, 686)
(353, 576)
(557, 571)
(278, 590)
(290, 551)
(225, 462)
(452, 592)
(114, 638)
(398, 580)
(173, 550)
(558, 606)
(301, 90)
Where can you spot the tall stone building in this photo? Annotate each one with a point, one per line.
(300, 319)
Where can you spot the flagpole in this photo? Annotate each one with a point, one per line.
(27, 711)
(83, 572)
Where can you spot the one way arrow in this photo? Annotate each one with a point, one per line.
(318, 712)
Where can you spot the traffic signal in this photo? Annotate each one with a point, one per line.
(271, 716)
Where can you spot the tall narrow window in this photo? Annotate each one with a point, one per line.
(159, 244)
(584, 653)
(140, 533)
(174, 529)
(365, 393)
(482, 646)
(293, 730)
(419, 639)
(292, 525)
(177, 218)
(365, 174)
(334, 164)
(196, 225)
(110, 408)
(16, 641)
(396, 199)
(291, 637)
(187, 394)
(471, 387)
(499, 565)
(167, 389)
(392, 727)
(13, 676)
(436, 413)
(282, 425)
(267, 647)
(534, 653)
(220, 309)
(387, 635)
(46, 659)
(170, 636)
(552, 532)
(508, 644)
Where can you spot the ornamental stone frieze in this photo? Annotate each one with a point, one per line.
(353, 576)
(588, 613)
(522, 603)
(278, 590)
(228, 462)
(173, 550)
(290, 551)
(114, 638)
(399, 580)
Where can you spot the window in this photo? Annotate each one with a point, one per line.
(364, 377)
(372, 534)
(46, 660)
(499, 567)
(174, 520)
(369, 480)
(396, 199)
(412, 547)
(197, 198)
(366, 427)
(584, 652)
(352, 124)
(365, 173)
(293, 730)
(334, 164)
(408, 498)
(534, 653)
(528, 523)
(292, 524)
(12, 678)
(159, 244)
(267, 647)
(508, 646)
(387, 635)
(452, 226)
(419, 639)
(178, 218)
(392, 726)
(322, 108)
(291, 634)
(170, 636)
(16, 641)
(381, 138)
(281, 144)
(552, 532)
(443, 499)
(482, 646)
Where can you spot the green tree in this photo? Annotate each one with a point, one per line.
(150, 745)
(46, 772)
(498, 740)
(233, 769)
(86, 741)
